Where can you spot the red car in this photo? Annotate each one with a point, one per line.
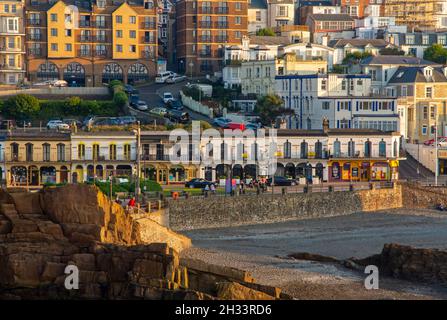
(234, 126)
(432, 141)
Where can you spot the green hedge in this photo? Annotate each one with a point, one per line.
(151, 186)
(76, 107)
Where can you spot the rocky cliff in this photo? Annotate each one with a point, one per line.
(117, 256)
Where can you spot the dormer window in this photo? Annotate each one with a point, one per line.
(101, 4)
(428, 72)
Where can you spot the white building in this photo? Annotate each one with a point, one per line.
(310, 51)
(345, 100)
(280, 13)
(257, 15)
(415, 43)
(101, 154)
(344, 46)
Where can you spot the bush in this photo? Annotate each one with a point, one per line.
(21, 107)
(120, 99)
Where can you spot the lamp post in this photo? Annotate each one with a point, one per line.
(137, 182)
(191, 65)
(436, 146)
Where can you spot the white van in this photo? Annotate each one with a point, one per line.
(162, 77)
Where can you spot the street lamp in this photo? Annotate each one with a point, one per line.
(191, 65)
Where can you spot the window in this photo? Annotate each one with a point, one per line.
(325, 105)
(303, 150)
(119, 19)
(237, 20)
(46, 152)
(133, 48)
(382, 148)
(53, 32)
(127, 151)
(81, 151)
(53, 17)
(6, 8)
(238, 6)
(61, 152)
(425, 113)
(343, 85)
(68, 32)
(29, 151)
(132, 34)
(68, 47)
(119, 48)
(428, 92)
(432, 112)
(425, 40)
(344, 105)
(409, 39)
(54, 47)
(119, 33)
(13, 8)
(258, 15)
(323, 84)
(404, 91)
(367, 149)
(351, 148)
(424, 130)
(95, 151)
(132, 20)
(237, 34)
(337, 148)
(101, 4)
(112, 152)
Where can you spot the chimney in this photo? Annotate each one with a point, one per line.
(325, 40)
(325, 125)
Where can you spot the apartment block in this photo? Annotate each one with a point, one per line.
(414, 13)
(12, 42)
(204, 28)
(90, 43)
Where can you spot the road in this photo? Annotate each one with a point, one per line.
(152, 94)
(357, 235)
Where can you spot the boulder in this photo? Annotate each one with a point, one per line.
(236, 291)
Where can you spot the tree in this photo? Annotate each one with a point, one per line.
(436, 53)
(266, 32)
(21, 107)
(269, 107)
(355, 57)
(391, 52)
(120, 99)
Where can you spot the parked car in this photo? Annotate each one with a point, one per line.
(163, 76)
(128, 119)
(59, 83)
(167, 97)
(221, 122)
(159, 111)
(141, 105)
(178, 116)
(128, 89)
(234, 126)
(175, 79)
(252, 126)
(198, 183)
(432, 141)
(281, 181)
(133, 100)
(71, 121)
(43, 83)
(57, 124)
(175, 105)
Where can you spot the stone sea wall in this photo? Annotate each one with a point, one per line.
(215, 212)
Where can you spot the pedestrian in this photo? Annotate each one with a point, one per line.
(131, 202)
(213, 189)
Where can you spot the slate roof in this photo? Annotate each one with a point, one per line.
(316, 3)
(257, 4)
(432, 38)
(402, 60)
(269, 41)
(359, 43)
(416, 74)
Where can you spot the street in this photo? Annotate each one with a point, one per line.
(152, 94)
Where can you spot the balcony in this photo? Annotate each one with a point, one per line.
(148, 25)
(85, 38)
(100, 53)
(147, 54)
(221, 38)
(205, 10)
(36, 52)
(34, 37)
(34, 22)
(221, 10)
(205, 53)
(221, 25)
(148, 40)
(11, 50)
(206, 39)
(205, 24)
(100, 39)
(155, 157)
(84, 23)
(6, 67)
(84, 53)
(99, 24)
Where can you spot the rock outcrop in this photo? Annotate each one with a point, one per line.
(118, 257)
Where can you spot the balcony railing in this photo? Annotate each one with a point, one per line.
(205, 24)
(204, 53)
(12, 50)
(84, 24)
(148, 40)
(85, 38)
(100, 53)
(221, 38)
(206, 39)
(85, 53)
(148, 25)
(221, 25)
(221, 10)
(147, 54)
(34, 22)
(34, 37)
(155, 157)
(205, 10)
(100, 39)
(99, 24)
(35, 52)
(8, 67)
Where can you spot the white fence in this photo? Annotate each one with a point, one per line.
(196, 106)
(425, 155)
(66, 91)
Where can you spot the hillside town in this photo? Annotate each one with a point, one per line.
(184, 120)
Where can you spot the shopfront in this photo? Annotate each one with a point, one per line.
(362, 170)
